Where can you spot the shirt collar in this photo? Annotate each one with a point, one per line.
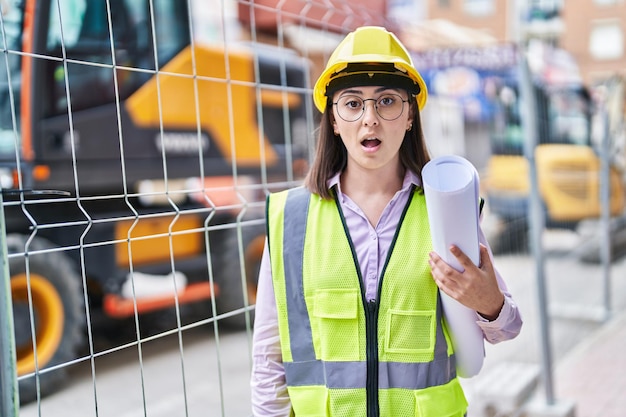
(410, 178)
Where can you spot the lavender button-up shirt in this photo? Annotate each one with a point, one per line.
(269, 389)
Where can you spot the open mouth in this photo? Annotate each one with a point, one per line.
(370, 143)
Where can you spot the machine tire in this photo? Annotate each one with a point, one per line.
(227, 272)
(58, 310)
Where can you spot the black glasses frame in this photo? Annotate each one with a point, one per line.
(375, 100)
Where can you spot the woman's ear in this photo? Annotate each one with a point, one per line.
(412, 114)
(409, 122)
(334, 125)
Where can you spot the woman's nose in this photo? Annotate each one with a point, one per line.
(370, 114)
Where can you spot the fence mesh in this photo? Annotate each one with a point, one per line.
(138, 142)
(139, 139)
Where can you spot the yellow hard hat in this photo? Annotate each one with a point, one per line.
(370, 55)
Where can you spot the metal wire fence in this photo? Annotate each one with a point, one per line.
(138, 141)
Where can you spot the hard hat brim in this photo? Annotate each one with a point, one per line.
(324, 84)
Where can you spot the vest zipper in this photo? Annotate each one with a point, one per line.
(371, 326)
(371, 313)
(371, 323)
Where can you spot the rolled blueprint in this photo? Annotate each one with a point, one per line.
(451, 188)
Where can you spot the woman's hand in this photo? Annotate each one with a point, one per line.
(476, 287)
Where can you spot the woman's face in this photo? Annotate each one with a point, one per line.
(373, 140)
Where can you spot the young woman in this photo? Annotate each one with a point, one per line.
(348, 314)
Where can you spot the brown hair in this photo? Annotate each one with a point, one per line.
(331, 155)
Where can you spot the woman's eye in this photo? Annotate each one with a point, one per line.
(353, 104)
(386, 101)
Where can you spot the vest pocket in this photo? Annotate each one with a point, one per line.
(441, 401)
(411, 332)
(309, 401)
(336, 313)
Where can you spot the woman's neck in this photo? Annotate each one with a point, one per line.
(371, 190)
(383, 181)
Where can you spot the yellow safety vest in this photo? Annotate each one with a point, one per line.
(344, 355)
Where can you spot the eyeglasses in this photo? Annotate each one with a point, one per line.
(388, 107)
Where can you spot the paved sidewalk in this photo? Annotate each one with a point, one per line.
(589, 366)
(593, 375)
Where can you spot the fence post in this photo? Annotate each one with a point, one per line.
(536, 217)
(605, 215)
(9, 394)
(536, 220)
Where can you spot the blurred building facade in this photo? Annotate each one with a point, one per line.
(592, 31)
(494, 18)
(594, 35)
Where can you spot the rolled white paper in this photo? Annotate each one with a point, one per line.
(451, 188)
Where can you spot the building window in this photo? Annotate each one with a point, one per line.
(607, 2)
(479, 7)
(544, 9)
(606, 40)
(546, 4)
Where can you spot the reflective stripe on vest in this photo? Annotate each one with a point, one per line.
(302, 367)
